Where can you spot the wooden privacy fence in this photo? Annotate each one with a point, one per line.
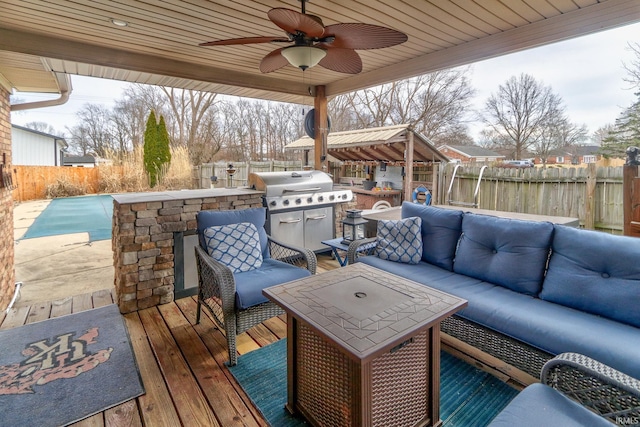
(33, 181)
(592, 194)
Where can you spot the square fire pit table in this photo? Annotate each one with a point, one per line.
(363, 347)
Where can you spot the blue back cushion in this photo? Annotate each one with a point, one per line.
(256, 216)
(507, 252)
(440, 232)
(595, 272)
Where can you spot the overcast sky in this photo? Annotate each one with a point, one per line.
(587, 73)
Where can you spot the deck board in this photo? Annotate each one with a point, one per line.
(181, 363)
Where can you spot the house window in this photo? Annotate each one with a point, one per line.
(589, 159)
(560, 159)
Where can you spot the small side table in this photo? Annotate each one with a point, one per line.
(337, 247)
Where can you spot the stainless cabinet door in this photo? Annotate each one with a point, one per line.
(288, 227)
(318, 226)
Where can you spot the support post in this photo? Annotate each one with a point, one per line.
(408, 167)
(631, 200)
(590, 197)
(321, 129)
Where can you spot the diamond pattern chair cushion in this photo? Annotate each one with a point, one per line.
(400, 241)
(235, 245)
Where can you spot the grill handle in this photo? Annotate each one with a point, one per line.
(316, 217)
(290, 221)
(301, 190)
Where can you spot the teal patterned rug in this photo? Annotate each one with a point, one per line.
(468, 396)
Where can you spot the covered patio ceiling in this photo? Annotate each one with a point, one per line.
(159, 45)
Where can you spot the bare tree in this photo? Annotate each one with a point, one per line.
(602, 133)
(42, 127)
(435, 104)
(633, 69)
(519, 112)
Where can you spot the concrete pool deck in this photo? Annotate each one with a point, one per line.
(57, 267)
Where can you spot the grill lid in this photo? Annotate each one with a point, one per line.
(282, 183)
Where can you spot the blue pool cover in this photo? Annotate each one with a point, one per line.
(85, 214)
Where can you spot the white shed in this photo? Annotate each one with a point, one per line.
(33, 148)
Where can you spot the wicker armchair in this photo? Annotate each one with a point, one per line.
(218, 285)
(604, 390)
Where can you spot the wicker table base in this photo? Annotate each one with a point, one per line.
(363, 347)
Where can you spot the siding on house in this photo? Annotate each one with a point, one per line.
(33, 148)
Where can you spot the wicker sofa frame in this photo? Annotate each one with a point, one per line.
(217, 291)
(602, 389)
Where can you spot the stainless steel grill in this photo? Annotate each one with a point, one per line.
(300, 206)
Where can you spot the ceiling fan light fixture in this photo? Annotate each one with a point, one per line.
(303, 57)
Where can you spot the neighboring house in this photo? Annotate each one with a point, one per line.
(80, 161)
(573, 155)
(33, 148)
(469, 153)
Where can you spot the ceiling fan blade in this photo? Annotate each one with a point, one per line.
(245, 40)
(341, 60)
(273, 61)
(292, 22)
(363, 36)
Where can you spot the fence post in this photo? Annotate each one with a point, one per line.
(631, 199)
(590, 197)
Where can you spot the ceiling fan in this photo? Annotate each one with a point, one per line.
(332, 47)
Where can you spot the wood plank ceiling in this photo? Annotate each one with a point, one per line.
(160, 43)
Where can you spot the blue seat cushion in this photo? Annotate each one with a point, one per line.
(249, 284)
(595, 272)
(550, 327)
(256, 216)
(440, 232)
(508, 252)
(540, 405)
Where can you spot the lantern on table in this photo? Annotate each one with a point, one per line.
(353, 226)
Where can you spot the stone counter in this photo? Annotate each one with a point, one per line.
(144, 225)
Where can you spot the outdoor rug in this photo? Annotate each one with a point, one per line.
(61, 370)
(85, 214)
(468, 396)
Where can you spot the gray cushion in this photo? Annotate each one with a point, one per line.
(508, 252)
(256, 216)
(595, 272)
(539, 405)
(440, 232)
(235, 245)
(399, 240)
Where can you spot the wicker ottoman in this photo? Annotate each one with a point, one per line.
(363, 347)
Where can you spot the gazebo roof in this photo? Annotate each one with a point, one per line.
(375, 144)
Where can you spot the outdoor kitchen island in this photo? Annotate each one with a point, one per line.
(148, 239)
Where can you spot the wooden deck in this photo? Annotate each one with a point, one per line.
(181, 363)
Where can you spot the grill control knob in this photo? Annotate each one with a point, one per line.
(320, 198)
(273, 203)
(344, 196)
(309, 200)
(285, 202)
(331, 197)
(298, 201)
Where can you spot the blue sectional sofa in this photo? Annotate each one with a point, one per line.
(535, 289)
(539, 295)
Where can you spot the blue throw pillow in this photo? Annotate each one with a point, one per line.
(400, 241)
(235, 245)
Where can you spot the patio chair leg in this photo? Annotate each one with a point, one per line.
(199, 309)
